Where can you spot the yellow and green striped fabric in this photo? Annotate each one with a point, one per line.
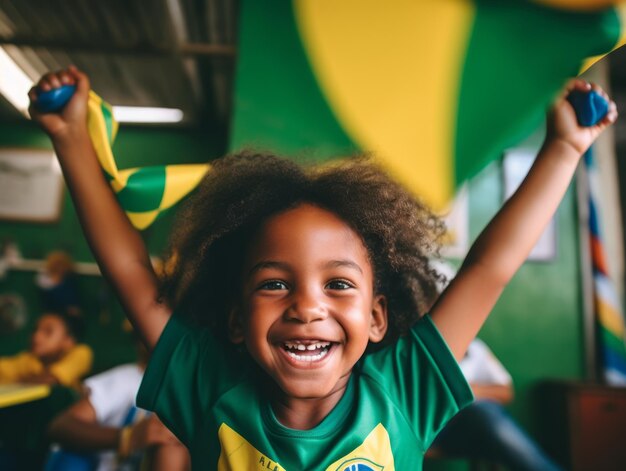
(433, 88)
(143, 192)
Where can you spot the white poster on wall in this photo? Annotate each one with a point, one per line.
(31, 185)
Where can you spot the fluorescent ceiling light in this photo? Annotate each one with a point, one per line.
(14, 83)
(139, 114)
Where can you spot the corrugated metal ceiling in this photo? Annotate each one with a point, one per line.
(169, 53)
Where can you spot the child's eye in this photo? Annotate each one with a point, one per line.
(273, 285)
(339, 285)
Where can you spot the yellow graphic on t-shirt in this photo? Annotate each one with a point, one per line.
(374, 454)
(237, 454)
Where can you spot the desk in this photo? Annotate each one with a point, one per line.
(584, 425)
(25, 413)
(14, 394)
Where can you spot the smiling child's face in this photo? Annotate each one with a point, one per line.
(309, 309)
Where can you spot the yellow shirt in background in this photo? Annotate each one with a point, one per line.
(68, 370)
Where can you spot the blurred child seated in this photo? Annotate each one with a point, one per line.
(56, 358)
(55, 355)
(484, 430)
(105, 431)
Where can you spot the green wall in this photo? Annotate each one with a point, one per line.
(135, 146)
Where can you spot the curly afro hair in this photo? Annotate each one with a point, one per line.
(241, 191)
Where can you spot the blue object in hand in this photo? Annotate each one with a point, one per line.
(54, 100)
(590, 107)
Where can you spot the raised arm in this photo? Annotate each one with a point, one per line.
(508, 239)
(117, 246)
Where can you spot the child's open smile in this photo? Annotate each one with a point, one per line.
(307, 351)
(309, 309)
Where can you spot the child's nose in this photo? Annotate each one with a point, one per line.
(306, 308)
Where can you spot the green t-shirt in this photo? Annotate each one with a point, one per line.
(214, 400)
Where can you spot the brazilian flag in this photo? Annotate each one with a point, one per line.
(433, 88)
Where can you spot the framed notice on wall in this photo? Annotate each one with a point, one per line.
(31, 185)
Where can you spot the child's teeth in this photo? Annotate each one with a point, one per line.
(309, 358)
(302, 347)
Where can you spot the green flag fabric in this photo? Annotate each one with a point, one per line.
(433, 88)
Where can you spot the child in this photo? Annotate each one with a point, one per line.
(54, 357)
(107, 421)
(484, 430)
(303, 270)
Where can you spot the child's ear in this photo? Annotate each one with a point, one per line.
(235, 328)
(379, 322)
